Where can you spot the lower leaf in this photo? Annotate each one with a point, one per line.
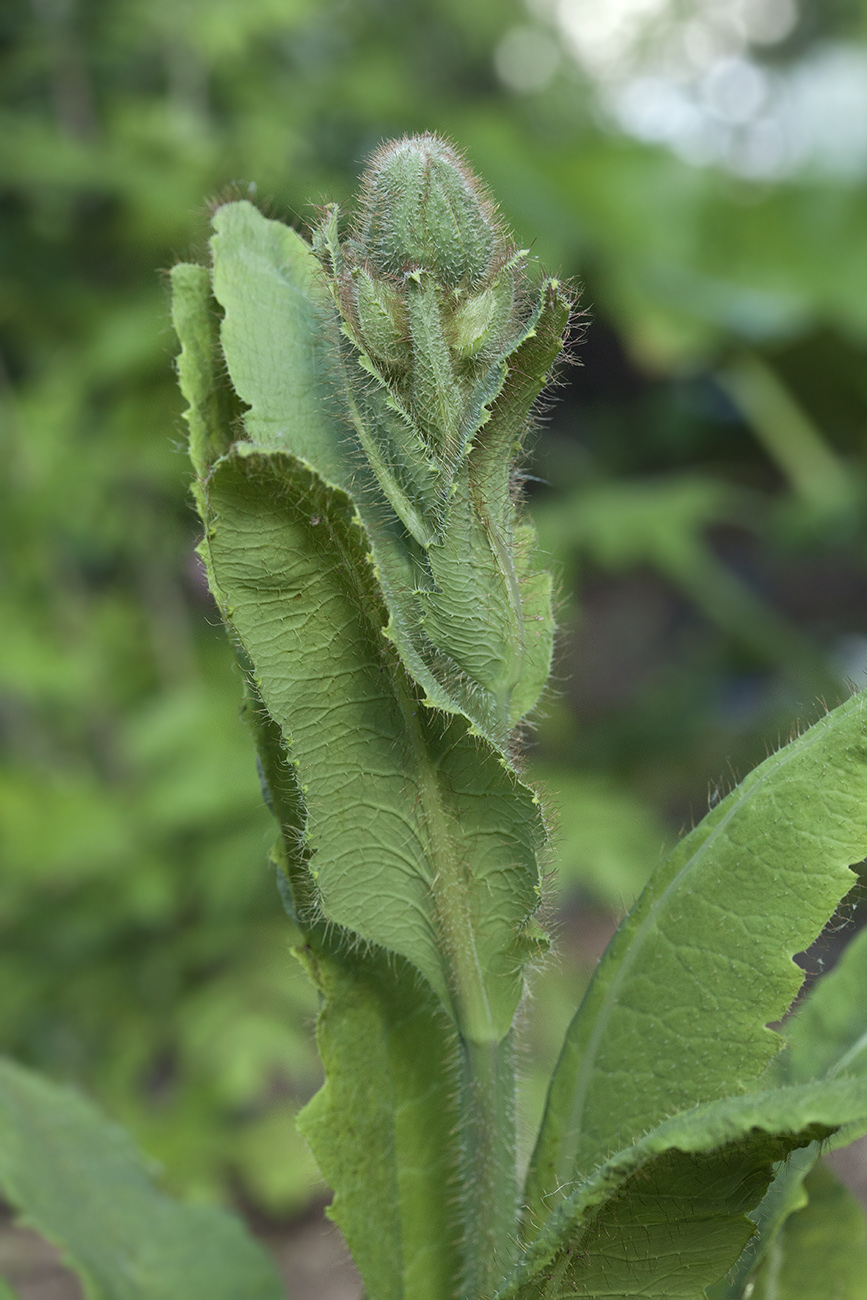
(76, 1178)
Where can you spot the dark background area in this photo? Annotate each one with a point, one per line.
(699, 484)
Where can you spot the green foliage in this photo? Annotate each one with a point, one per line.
(665, 1216)
(407, 840)
(821, 1250)
(139, 951)
(771, 838)
(80, 1182)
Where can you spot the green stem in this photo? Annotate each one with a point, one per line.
(788, 434)
(489, 1189)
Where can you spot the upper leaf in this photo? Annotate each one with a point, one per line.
(395, 436)
(678, 1008)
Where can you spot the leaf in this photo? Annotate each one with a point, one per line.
(417, 836)
(489, 612)
(78, 1180)
(821, 1251)
(281, 343)
(384, 1128)
(784, 1196)
(208, 416)
(665, 1217)
(481, 646)
(671, 1019)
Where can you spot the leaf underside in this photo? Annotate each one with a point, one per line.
(284, 352)
(399, 801)
(383, 1125)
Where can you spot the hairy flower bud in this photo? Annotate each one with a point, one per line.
(423, 209)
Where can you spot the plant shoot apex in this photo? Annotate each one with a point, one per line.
(422, 209)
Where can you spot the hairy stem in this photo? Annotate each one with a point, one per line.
(488, 1181)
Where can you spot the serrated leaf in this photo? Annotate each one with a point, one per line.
(821, 1251)
(677, 1011)
(417, 836)
(665, 1217)
(76, 1178)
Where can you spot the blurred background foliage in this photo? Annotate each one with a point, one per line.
(698, 167)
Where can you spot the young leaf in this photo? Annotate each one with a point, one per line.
(77, 1179)
(821, 1251)
(677, 1011)
(664, 1218)
(481, 646)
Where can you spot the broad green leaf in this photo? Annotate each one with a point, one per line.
(6, 1292)
(417, 836)
(665, 1217)
(385, 1127)
(75, 1177)
(821, 1251)
(677, 1011)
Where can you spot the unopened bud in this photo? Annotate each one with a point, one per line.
(423, 209)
